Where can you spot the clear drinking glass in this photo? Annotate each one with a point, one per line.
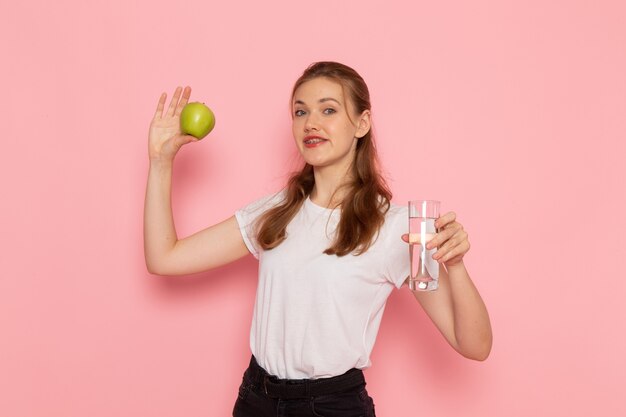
(424, 269)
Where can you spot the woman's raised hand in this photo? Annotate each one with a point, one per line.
(165, 137)
(451, 241)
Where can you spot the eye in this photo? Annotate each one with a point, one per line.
(330, 110)
(299, 112)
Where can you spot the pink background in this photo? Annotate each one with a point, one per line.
(514, 109)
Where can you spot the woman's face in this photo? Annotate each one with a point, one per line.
(323, 132)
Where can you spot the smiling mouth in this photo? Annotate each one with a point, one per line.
(313, 141)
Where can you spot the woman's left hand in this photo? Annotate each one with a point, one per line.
(451, 240)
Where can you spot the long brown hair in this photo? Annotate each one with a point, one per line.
(367, 198)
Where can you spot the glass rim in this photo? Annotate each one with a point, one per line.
(415, 202)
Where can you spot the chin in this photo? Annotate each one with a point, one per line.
(316, 162)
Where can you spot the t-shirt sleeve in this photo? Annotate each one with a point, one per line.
(397, 261)
(247, 216)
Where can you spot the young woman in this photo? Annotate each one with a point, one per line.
(331, 248)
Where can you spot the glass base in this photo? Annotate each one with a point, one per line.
(420, 284)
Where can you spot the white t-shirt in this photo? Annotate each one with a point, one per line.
(317, 315)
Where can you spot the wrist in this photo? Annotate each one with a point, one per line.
(459, 266)
(159, 163)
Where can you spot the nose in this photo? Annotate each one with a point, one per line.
(311, 123)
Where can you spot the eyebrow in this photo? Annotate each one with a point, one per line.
(321, 100)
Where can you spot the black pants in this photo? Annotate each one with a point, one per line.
(263, 395)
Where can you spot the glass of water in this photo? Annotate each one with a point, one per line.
(424, 269)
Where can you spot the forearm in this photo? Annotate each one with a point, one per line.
(472, 328)
(158, 228)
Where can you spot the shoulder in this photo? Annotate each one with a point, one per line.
(265, 202)
(248, 214)
(396, 210)
(396, 222)
(396, 213)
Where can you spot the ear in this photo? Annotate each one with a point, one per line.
(364, 125)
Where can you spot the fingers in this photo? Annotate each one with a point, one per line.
(417, 237)
(159, 109)
(172, 108)
(184, 100)
(445, 235)
(445, 219)
(175, 106)
(456, 245)
(459, 250)
(451, 239)
(446, 248)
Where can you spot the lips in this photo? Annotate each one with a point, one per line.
(313, 140)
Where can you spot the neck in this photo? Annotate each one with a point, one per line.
(328, 181)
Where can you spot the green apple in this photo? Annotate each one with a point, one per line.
(197, 120)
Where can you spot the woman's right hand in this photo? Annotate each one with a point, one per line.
(165, 137)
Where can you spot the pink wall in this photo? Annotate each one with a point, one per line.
(516, 112)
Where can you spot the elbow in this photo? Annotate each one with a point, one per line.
(154, 269)
(479, 356)
(158, 264)
(478, 351)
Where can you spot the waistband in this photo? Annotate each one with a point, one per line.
(302, 388)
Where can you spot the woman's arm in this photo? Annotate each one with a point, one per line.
(459, 312)
(164, 253)
(455, 307)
